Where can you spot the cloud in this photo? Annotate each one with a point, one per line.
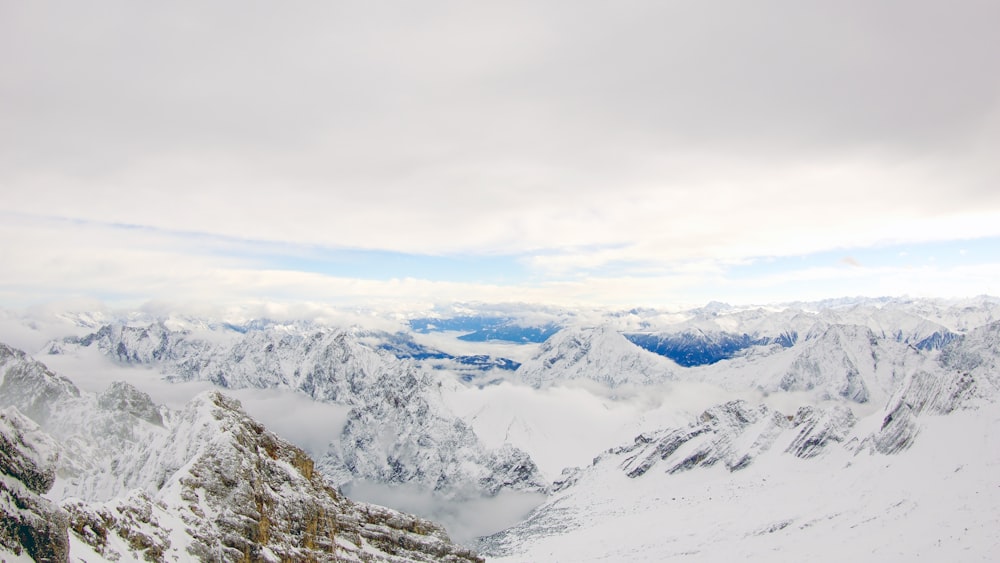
(465, 518)
(642, 138)
(168, 272)
(93, 372)
(309, 424)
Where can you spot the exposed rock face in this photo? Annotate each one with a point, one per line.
(134, 524)
(977, 353)
(966, 375)
(734, 434)
(247, 495)
(829, 361)
(818, 428)
(921, 392)
(93, 435)
(29, 523)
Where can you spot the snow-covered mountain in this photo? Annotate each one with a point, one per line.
(829, 362)
(709, 334)
(752, 479)
(136, 481)
(768, 431)
(398, 428)
(599, 354)
(839, 361)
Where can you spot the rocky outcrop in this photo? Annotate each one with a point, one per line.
(29, 523)
(734, 434)
(122, 397)
(93, 435)
(136, 524)
(818, 428)
(247, 495)
(706, 442)
(977, 353)
(922, 392)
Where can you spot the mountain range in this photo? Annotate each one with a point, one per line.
(710, 432)
(137, 481)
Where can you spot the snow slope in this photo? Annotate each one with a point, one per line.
(748, 481)
(935, 501)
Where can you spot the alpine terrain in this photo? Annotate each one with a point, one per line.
(851, 428)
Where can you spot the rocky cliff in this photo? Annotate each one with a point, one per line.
(29, 523)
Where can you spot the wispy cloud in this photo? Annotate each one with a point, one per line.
(57, 260)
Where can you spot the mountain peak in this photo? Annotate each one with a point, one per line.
(599, 353)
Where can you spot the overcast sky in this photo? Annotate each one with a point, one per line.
(646, 153)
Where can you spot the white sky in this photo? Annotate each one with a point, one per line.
(569, 152)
